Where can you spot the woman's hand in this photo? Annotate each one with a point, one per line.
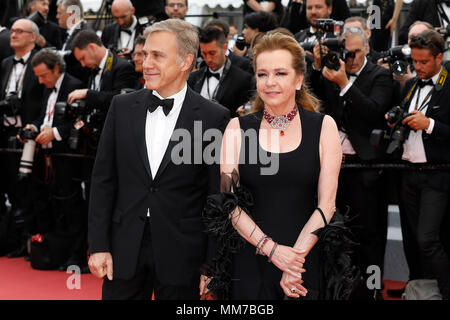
(204, 281)
(287, 259)
(292, 286)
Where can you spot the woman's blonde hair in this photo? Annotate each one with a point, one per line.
(279, 41)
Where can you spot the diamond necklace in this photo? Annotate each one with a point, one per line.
(280, 122)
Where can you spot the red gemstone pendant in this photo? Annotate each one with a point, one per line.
(281, 133)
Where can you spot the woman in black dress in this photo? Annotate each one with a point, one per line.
(305, 158)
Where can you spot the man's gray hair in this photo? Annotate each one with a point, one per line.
(68, 3)
(355, 31)
(186, 35)
(35, 28)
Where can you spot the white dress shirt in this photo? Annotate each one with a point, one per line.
(413, 149)
(159, 129)
(347, 147)
(15, 85)
(96, 83)
(126, 40)
(212, 82)
(50, 112)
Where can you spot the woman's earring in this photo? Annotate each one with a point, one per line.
(298, 88)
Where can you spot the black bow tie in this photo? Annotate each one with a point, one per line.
(421, 83)
(351, 75)
(54, 89)
(210, 74)
(21, 61)
(95, 71)
(155, 102)
(129, 32)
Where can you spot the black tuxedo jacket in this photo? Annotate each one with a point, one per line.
(123, 190)
(68, 85)
(111, 35)
(423, 10)
(361, 109)
(436, 144)
(6, 50)
(119, 76)
(235, 86)
(51, 32)
(243, 63)
(32, 91)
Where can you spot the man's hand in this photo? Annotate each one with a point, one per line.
(125, 54)
(240, 52)
(28, 126)
(318, 53)
(417, 121)
(204, 281)
(101, 265)
(46, 136)
(339, 77)
(40, 41)
(404, 77)
(77, 95)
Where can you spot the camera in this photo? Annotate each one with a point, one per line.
(87, 120)
(398, 59)
(10, 106)
(29, 148)
(329, 26)
(396, 135)
(336, 52)
(240, 42)
(146, 22)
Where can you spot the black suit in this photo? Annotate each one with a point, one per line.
(111, 35)
(235, 86)
(243, 63)
(5, 40)
(423, 10)
(118, 76)
(360, 110)
(424, 196)
(65, 213)
(174, 198)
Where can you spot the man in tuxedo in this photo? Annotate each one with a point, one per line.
(357, 96)
(70, 17)
(145, 219)
(435, 12)
(109, 73)
(220, 81)
(424, 194)
(361, 23)
(49, 31)
(296, 20)
(57, 178)
(5, 37)
(315, 9)
(120, 36)
(18, 83)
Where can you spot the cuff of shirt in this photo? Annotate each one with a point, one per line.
(56, 134)
(430, 127)
(346, 88)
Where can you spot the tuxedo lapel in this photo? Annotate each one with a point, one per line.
(6, 75)
(185, 121)
(138, 117)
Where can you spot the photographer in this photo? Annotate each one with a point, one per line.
(424, 193)
(57, 178)
(357, 96)
(120, 36)
(109, 73)
(315, 9)
(21, 97)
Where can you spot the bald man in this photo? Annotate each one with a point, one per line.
(120, 35)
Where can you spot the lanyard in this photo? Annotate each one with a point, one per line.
(424, 102)
(215, 90)
(442, 14)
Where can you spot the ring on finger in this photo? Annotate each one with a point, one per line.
(293, 290)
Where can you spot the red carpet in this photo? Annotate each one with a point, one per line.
(18, 281)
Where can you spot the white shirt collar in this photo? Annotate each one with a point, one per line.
(177, 97)
(59, 82)
(362, 68)
(133, 25)
(103, 62)
(2, 28)
(220, 71)
(436, 76)
(71, 30)
(25, 57)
